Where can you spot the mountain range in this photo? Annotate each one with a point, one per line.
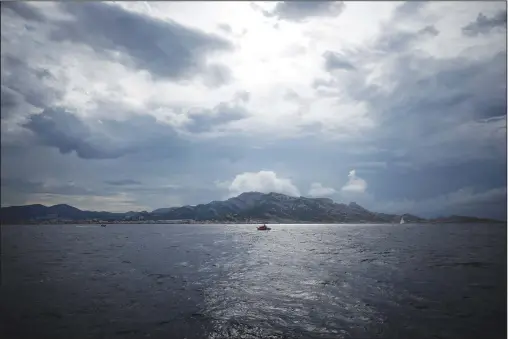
(247, 207)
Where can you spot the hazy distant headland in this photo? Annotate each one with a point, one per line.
(250, 207)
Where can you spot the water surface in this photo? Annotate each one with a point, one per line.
(231, 281)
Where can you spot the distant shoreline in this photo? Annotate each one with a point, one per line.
(247, 208)
(252, 223)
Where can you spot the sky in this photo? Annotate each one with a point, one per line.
(130, 106)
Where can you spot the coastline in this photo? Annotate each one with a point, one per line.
(169, 222)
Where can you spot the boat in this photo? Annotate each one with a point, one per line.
(263, 228)
(103, 225)
(402, 220)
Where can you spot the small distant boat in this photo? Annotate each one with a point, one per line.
(103, 225)
(263, 228)
(402, 220)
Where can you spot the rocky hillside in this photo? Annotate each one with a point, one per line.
(247, 207)
(278, 207)
(18, 214)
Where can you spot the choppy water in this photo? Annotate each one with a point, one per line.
(295, 281)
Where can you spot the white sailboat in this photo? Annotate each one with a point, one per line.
(402, 220)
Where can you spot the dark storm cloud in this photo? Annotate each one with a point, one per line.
(138, 135)
(398, 41)
(488, 204)
(416, 115)
(23, 10)
(489, 110)
(57, 128)
(143, 137)
(302, 10)
(208, 119)
(63, 130)
(464, 201)
(10, 99)
(112, 139)
(428, 95)
(123, 182)
(22, 84)
(336, 61)
(427, 183)
(408, 8)
(484, 24)
(164, 48)
(457, 88)
(29, 187)
(20, 185)
(438, 116)
(25, 87)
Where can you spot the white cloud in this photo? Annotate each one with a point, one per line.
(408, 100)
(262, 181)
(355, 184)
(259, 64)
(318, 190)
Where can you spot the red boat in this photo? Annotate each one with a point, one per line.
(263, 228)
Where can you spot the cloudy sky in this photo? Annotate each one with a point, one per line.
(116, 106)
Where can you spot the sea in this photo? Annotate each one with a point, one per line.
(232, 281)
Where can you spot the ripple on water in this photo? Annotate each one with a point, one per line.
(234, 282)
